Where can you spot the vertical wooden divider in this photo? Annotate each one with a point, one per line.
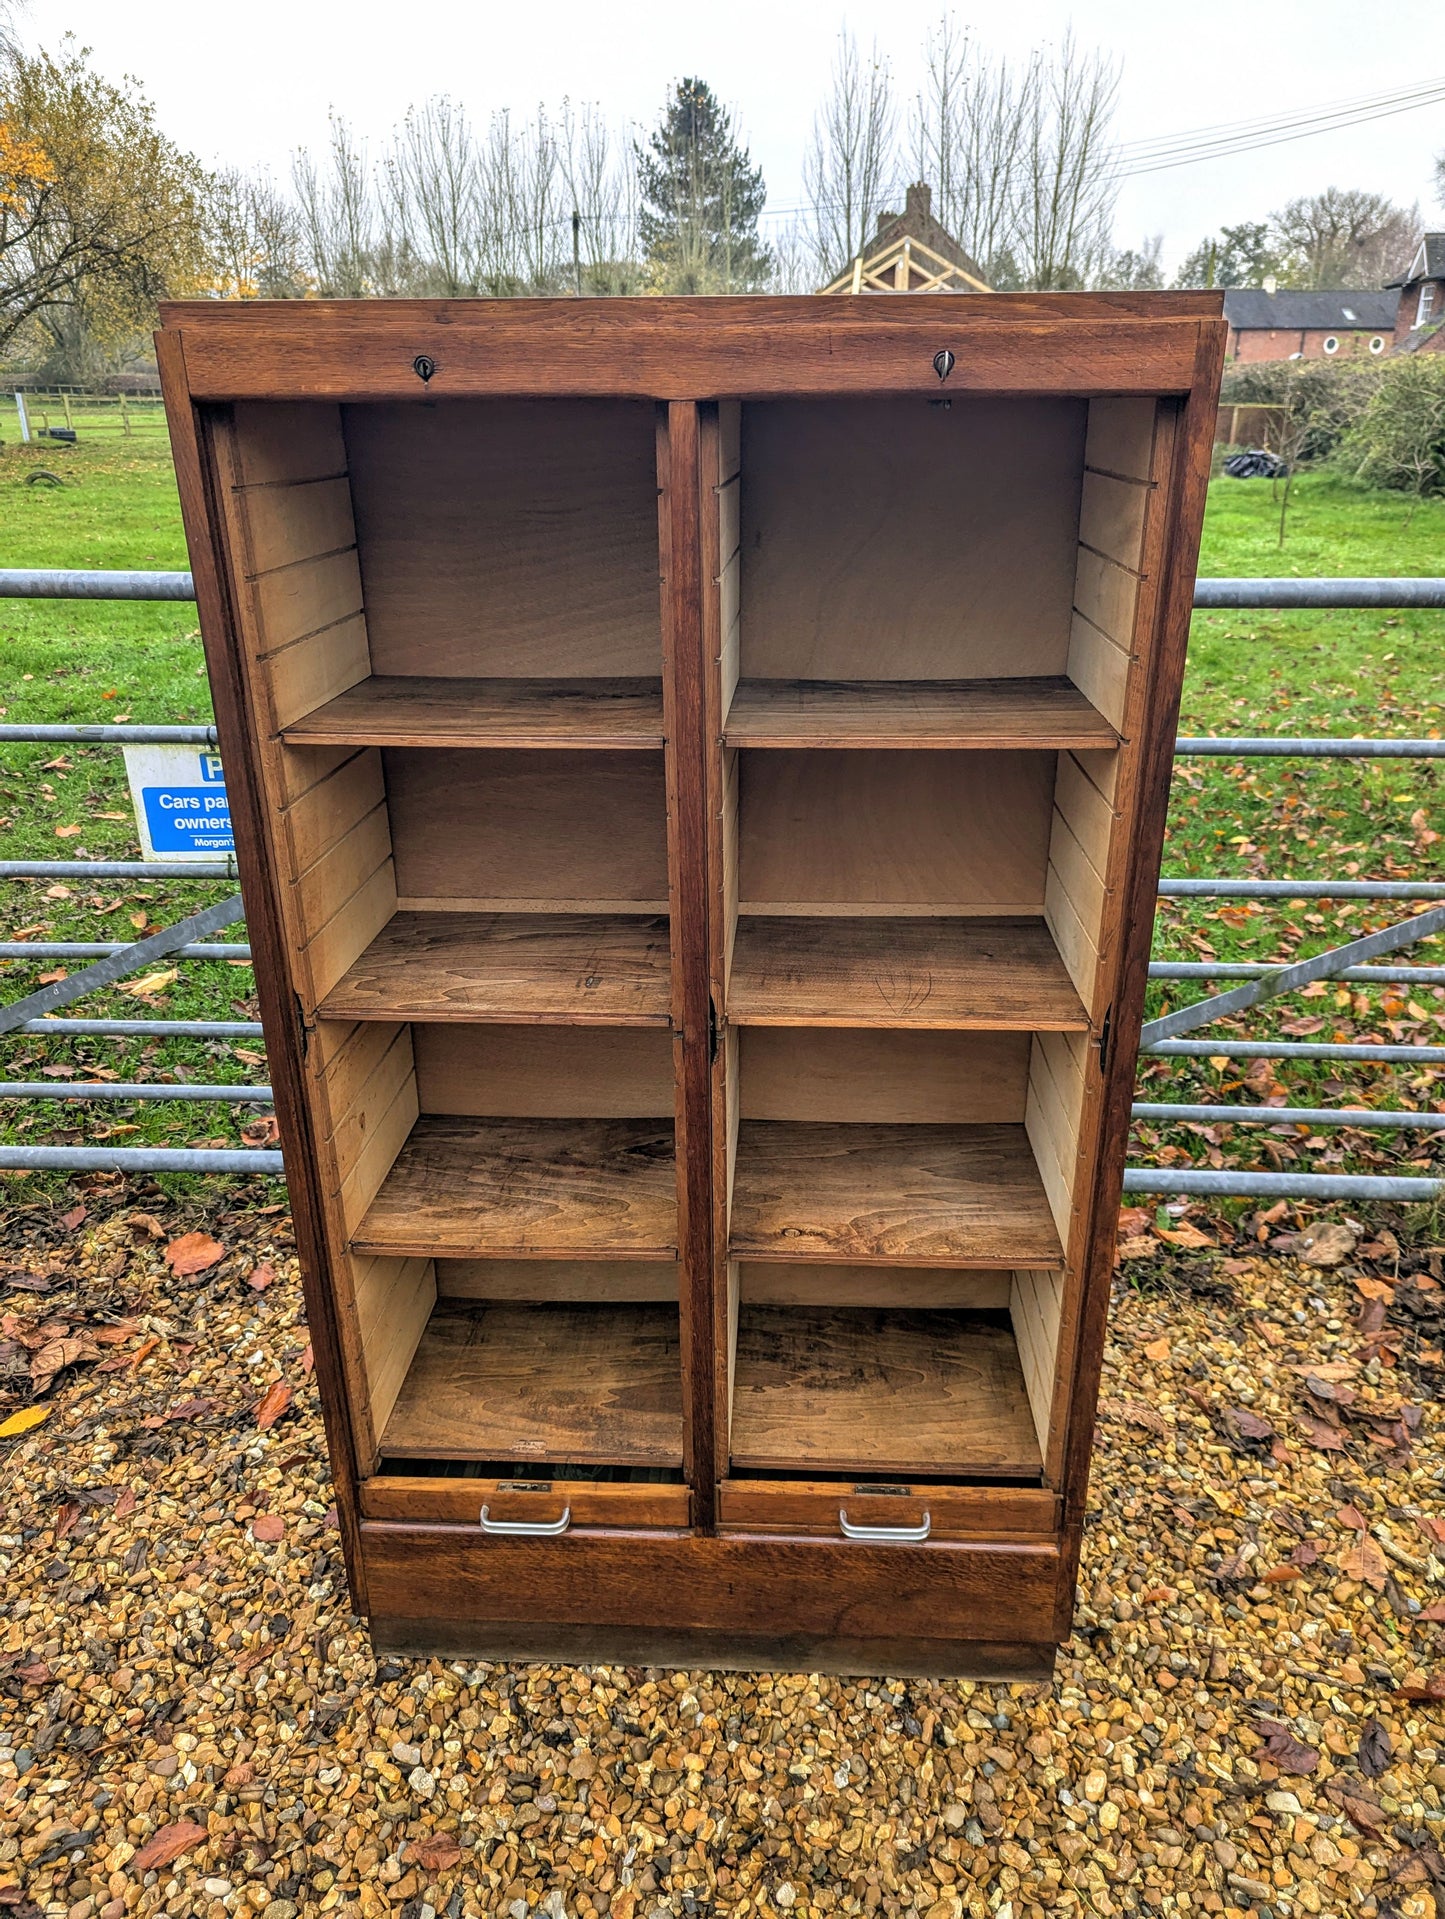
(680, 512)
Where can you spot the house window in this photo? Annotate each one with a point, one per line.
(1332, 345)
(1377, 345)
(1427, 303)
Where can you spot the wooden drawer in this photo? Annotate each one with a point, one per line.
(799, 1604)
(523, 1502)
(953, 1512)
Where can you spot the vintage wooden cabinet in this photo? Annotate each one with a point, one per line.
(700, 770)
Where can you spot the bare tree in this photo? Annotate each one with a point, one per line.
(435, 179)
(1019, 157)
(601, 182)
(850, 169)
(1070, 176)
(339, 215)
(255, 238)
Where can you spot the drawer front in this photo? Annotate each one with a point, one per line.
(826, 1507)
(535, 1504)
(806, 1588)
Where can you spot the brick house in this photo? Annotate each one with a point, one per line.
(1294, 324)
(1420, 314)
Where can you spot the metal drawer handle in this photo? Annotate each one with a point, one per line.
(528, 1528)
(893, 1535)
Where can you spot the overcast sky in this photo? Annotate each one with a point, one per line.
(245, 85)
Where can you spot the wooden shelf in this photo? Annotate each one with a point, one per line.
(1047, 714)
(527, 1189)
(890, 1196)
(618, 715)
(831, 1389)
(523, 968)
(590, 1385)
(991, 974)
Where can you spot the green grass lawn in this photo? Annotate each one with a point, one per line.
(1310, 673)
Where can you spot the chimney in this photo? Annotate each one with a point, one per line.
(918, 205)
(1271, 284)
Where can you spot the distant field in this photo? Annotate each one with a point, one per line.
(1336, 673)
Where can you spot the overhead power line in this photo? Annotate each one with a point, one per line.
(1190, 149)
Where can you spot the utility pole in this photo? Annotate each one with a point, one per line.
(577, 250)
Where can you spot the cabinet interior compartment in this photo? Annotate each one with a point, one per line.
(506, 552)
(925, 635)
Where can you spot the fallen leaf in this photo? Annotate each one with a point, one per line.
(1359, 1806)
(1426, 1693)
(193, 1253)
(1434, 1529)
(439, 1853)
(1319, 1432)
(1328, 1244)
(261, 1132)
(152, 984)
(66, 1515)
(1158, 1350)
(22, 1421)
(1305, 1553)
(268, 1527)
(1284, 1750)
(1434, 1614)
(1249, 1425)
(167, 1845)
(73, 1218)
(1352, 1517)
(261, 1276)
(273, 1404)
(1143, 1246)
(1133, 1219)
(1134, 1412)
(125, 1505)
(146, 1223)
(1366, 1563)
(1375, 1749)
(1380, 1289)
(308, 1360)
(66, 832)
(1277, 1575)
(1186, 1235)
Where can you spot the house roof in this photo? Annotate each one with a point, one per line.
(1428, 263)
(1347, 309)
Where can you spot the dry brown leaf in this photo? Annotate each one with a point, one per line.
(1134, 1219)
(193, 1253)
(1328, 1244)
(1319, 1432)
(167, 1846)
(439, 1853)
(1359, 1806)
(273, 1403)
(125, 1505)
(1379, 1289)
(268, 1527)
(73, 1218)
(1185, 1235)
(261, 1276)
(1352, 1517)
(1424, 1691)
(1366, 1563)
(1277, 1575)
(1141, 1247)
(1284, 1750)
(1134, 1412)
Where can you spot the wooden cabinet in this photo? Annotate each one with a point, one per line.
(699, 769)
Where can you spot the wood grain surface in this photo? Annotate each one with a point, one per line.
(886, 1391)
(1049, 712)
(594, 1385)
(890, 1195)
(533, 1189)
(392, 710)
(989, 973)
(524, 967)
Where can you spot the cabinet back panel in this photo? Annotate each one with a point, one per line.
(897, 540)
(882, 1078)
(887, 832)
(777, 1283)
(508, 538)
(576, 1280)
(545, 1072)
(563, 830)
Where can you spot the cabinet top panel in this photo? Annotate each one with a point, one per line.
(690, 349)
